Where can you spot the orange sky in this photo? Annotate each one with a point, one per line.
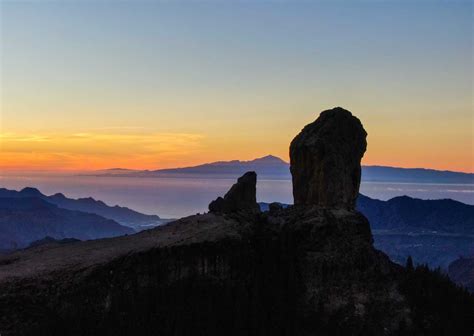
(137, 149)
(191, 83)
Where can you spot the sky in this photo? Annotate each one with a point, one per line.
(155, 84)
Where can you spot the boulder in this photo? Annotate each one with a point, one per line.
(241, 196)
(325, 160)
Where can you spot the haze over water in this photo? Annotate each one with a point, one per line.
(173, 197)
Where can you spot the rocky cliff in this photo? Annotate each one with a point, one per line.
(304, 270)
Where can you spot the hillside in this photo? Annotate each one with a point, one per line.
(121, 215)
(434, 232)
(28, 219)
(407, 214)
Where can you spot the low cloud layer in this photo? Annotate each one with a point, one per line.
(95, 150)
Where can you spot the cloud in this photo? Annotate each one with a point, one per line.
(96, 150)
(12, 137)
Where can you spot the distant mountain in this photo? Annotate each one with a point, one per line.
(122, 215)
(461, 271)
(268, 166)
(407, 214)
(414, 175)
(273, 167)
(435, 232)
(24, 220)
(116, 171)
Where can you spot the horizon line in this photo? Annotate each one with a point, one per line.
(72, 170)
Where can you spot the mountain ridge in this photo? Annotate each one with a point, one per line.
(24, 220)
(122, 215)
(274, 166)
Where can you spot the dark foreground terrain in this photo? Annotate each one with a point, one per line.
(291, 272)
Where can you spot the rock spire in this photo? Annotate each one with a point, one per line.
(325, 160)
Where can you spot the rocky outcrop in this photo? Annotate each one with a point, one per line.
(325, 160)
(242, 196)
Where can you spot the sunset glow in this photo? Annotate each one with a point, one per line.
(91, 85)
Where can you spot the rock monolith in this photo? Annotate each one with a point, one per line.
(325, 160)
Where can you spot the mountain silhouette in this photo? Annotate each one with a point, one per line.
(24, 220)
(273, 167)
(121, 215)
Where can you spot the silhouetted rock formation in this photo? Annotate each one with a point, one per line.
(241, 196)
(325, 160)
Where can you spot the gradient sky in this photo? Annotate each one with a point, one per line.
(135, 84)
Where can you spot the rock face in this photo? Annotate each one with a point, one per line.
(325, 160)
(242, 196)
